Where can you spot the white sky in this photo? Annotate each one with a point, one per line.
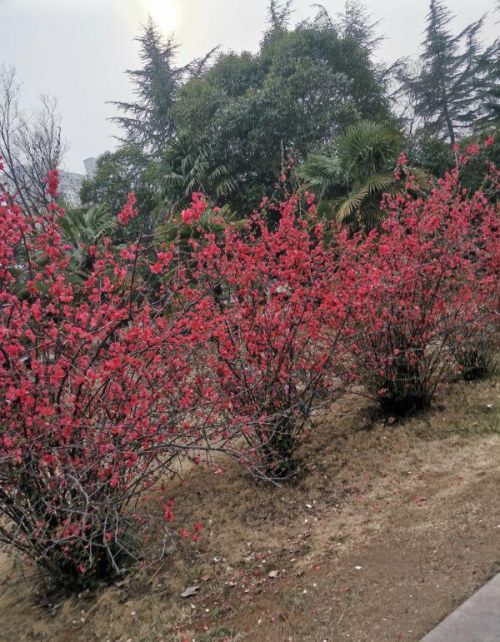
(78, 50)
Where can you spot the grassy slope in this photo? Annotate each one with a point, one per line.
(415, 505)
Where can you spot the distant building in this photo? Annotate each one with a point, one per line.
(71, 183)
(90, 166)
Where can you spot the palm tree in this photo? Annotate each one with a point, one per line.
(191, 170)
(351, 180)
(87, 227)
(83, 228)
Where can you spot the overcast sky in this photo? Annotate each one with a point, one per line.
(77, 50)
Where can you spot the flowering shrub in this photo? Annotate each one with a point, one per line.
(266, 306)
(426, 288)
(93, 402)
(221, 342)
(476, 344)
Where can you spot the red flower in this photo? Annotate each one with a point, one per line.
(197, 208)
(52, 183)
(128, 212)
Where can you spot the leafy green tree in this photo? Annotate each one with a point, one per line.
(128, 169)
(279, 15)
(354, 22)
(433, 154)
(254, 112)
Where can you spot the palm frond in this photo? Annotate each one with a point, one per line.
(365, 149)
(351, 204)
(321, 172)
(192, 171)
(379, 183)
(87, 227)
(360, 167)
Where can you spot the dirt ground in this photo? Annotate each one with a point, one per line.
(392, 527)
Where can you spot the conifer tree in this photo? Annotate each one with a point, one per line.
(448, 89)
(148, 122)
(489, 75)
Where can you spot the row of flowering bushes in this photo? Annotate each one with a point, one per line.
(109, 376)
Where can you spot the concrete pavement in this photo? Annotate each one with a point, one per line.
(477, 620)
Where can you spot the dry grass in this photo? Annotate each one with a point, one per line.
(414, 504)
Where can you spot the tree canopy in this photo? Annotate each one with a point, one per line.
(230, 124)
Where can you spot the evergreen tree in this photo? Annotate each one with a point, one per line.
(148, 121)
(489, 79)
(448, 89)
(279, 14)
(354, 22)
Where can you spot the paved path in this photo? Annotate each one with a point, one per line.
(477, 620)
